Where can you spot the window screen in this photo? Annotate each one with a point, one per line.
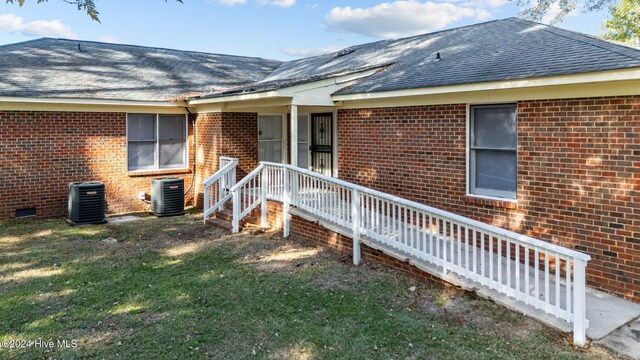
(270, 138)
(270, 151)
(303, 141)
(141, 155)
(270, 127)
(156, 141)
(171, 143)
(141, 127)
(493, 151)
(171, 127)
(141, 135)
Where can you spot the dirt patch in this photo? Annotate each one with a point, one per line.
(285, 259)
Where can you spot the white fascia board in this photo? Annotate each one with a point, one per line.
(238, 97)
(341, 80)
(604, 76)
(320, 93)
(78, 101)
(316, 97)
(301, 91)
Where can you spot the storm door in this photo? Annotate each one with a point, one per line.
(322, 143)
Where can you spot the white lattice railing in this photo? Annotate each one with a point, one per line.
(545, 276)
(216, 187)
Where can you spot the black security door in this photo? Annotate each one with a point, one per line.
(322, 143)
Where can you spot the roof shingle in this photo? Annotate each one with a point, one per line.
(62, 68)
(507, 49)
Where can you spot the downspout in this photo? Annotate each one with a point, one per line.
(193, 165)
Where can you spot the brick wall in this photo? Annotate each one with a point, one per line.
(578, 173)
(228, 134)
(42, 152)
(313, 232)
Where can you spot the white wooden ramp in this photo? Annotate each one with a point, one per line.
(543, 280)
(605, 312)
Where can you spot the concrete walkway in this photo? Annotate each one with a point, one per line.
(122, 219)
(605, 312)
(625, 340)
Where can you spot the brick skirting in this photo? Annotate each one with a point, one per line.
(317, 234)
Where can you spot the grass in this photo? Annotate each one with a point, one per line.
(173, 288)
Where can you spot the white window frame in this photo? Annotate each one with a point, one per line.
(156, 155)
(490, 194)
(308, 115)
(283, 118)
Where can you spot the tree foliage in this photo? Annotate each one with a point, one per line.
(88, 6)
(536, 10)
(623, 23)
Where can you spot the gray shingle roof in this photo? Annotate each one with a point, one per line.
(505, 49)
(58, 68)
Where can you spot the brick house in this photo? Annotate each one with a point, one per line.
(524, 126)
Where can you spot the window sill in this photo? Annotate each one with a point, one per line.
(498, 203)
(142, 173)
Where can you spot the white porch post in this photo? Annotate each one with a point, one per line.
(286, 194)
(355, 225)
(236, 212)
(294, 135)
(263, 199)
(223, 185)
(579, 303)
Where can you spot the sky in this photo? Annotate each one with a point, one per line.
(274, 29)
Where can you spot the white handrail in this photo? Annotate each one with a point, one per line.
(218, 174)
(227, 159)
(215, 188)
(546, 276)
(247, 194)
(246, 179)
(455, 217)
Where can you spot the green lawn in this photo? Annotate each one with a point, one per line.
(174, 288)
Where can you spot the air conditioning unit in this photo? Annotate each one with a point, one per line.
(86, 202)
(167, 196)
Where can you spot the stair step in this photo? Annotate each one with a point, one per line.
(226, 225)
(224, 219)
(224, 216)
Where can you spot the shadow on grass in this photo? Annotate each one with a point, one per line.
(172, 288)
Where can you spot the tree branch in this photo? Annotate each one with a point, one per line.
(88, 6)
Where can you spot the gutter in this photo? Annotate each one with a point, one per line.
(573, 79)
(83, 101)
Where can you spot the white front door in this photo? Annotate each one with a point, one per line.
(270, 138)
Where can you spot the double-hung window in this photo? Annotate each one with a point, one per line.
(156, 142)
(493, 143)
